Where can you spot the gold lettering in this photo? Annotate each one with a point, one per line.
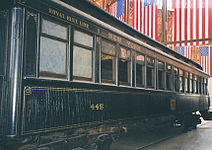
(57, 13)
(97, 107)
(83, 24)
(50, 10)
(68, 18)
(74, 20)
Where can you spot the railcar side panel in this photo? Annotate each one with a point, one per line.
(57, 107)
(191, 103)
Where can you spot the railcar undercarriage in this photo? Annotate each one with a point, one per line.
(86, 138)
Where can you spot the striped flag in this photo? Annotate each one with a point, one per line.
(181, 50)
(113, 9)
(188, 52)
(193, 20)
(205, 58)
(145, 17)
(193, 54)
(120, 10)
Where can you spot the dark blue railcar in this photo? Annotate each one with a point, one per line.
(71, 76)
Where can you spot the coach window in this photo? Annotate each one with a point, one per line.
(200, 85)
(176, 79)
(187, 82)
(195, 84)
(203, 85)
(82, 56)
(181, 80)
(53, 49)
(124, 66)
(161, 75)
(140, 69)
(108, 62)
(191, 83)
(150, 73)
(168, 76)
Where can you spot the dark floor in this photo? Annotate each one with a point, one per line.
(168, 138)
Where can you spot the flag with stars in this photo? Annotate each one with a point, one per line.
(180, 50)
(120, 10)
(205, 58)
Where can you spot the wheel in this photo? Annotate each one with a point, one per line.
(104, 145)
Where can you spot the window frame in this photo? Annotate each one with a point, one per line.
(114, 64)
(181, 76)
(187, 82)
(152, 67)
(162, 69)
(92, 49)
(196, 87)
(191, 83)
(200, 85)
(142, 67)
(46, 74)
(169, 73)
(176, 79)
(129, 68)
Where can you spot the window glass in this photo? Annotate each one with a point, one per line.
(203, 86)
(168, 76)
(54, 29)
(150, 72)
(191, 83)
(82, 62)
(200, 85)
(108, 48)
(83, 38)
(195, 84)
(181, 81)
(187, 82)
(206, 86)
(108, 62)
(82, 56)
(150, 61)
(160, 75)
(140, 69)
(52, 56)
(124, 65)
(53, 52)
(176, 76)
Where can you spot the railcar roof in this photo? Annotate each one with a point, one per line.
(95, 11)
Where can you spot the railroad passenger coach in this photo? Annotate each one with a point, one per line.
(72, 76)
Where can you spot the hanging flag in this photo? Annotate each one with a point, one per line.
(193, 53)
(205, 56)
(181, 50)
(188, 53)
(131, 10)
(197, 54)
(113, 9)
(148, 2)
(193, 19)
(120, 10)
(145, 17)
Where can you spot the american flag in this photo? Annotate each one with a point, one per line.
(181, 50)
(205, 58)
(113, 9)
(193, 20)
(120, 10)
(145, 17)
(188, 52)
